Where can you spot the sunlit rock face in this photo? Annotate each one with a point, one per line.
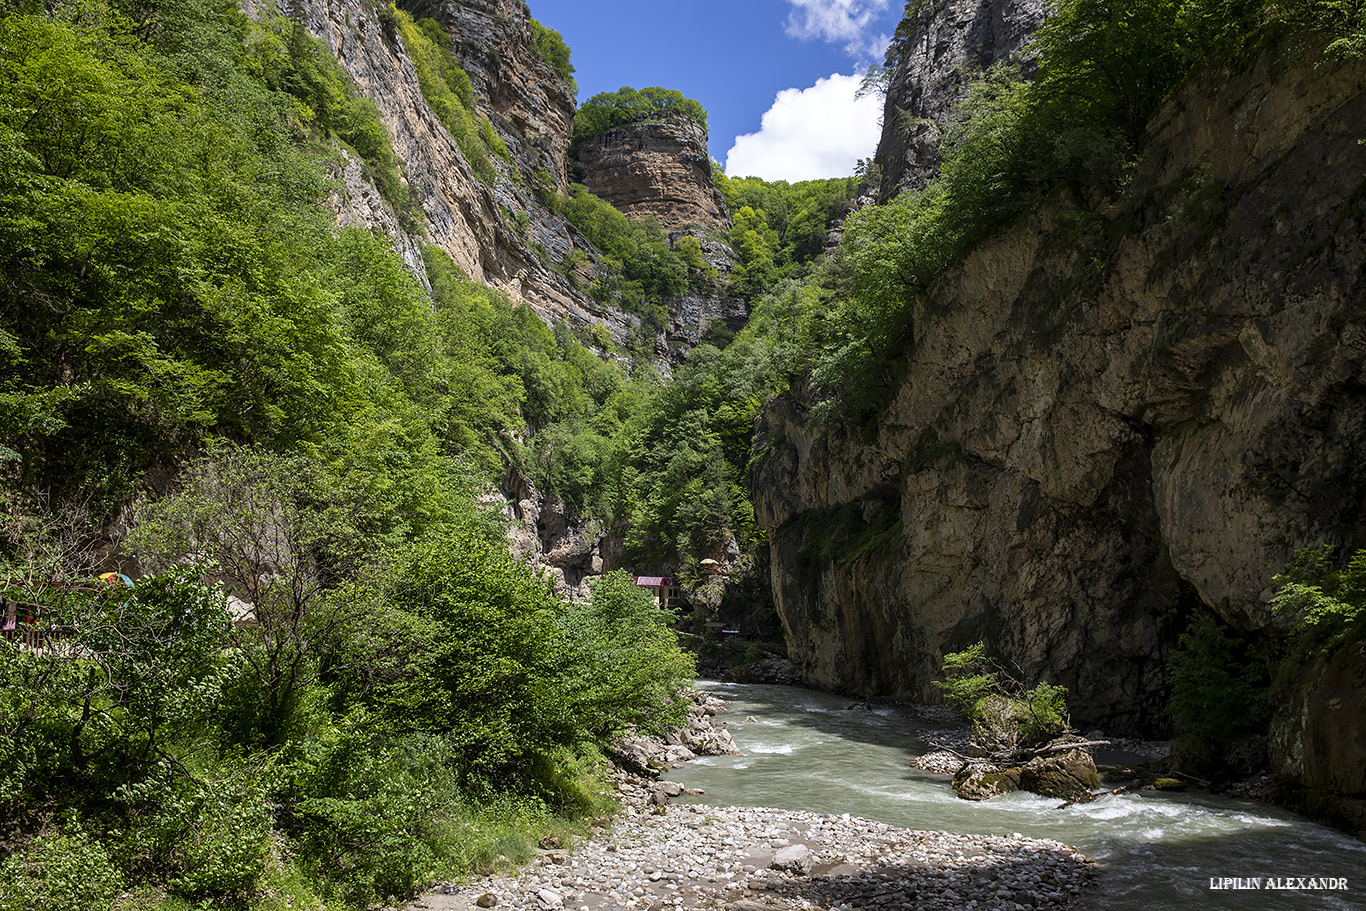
(1090, 439)
(500, 233)
(949, 43)
(658, 169)
(503, 233)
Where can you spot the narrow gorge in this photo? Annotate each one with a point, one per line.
(389, 427)
(1117, 414)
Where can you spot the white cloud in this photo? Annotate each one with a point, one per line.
(838, 21)
(810, 134)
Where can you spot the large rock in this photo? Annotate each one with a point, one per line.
(569, 552)
(1071, 775)
(658, 169)
(793, 859)
(1071, 465)
(985, 780)
(1318, 738)
(1335, 724)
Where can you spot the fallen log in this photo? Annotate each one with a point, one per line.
(1099, 794)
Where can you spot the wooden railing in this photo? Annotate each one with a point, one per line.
(22, 624)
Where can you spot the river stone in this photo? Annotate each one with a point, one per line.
(635, 754)
(550, 899)
(793, 859)
(983, 781)
(1069, 776)
(487, 900)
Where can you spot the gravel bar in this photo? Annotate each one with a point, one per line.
(661, 858)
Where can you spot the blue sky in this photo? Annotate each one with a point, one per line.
(782, 72)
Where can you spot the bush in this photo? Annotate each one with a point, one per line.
(549, 45)
(62, 871)
(1220, 685)
(208, 841)
(621, 663)
(1005, 715)
(449, 93)
(287, 59)
(1323, 597)
(373, 812)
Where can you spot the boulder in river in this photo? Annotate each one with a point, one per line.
(1070, 775)
(985, 780)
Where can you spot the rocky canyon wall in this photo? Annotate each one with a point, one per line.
(499, 232)
(1107, 419)
(940, 48)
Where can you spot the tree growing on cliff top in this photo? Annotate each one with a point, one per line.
(548, 44)
(609, 110)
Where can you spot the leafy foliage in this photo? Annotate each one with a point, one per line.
(639, 269)
(791, 223)
(287, 59)
(610, 110)
(169, 280)
(63, 871)
(682, 465)
(1004, 713)
(449, 93)
(1220, 684)
(1325, 600)
(548, 44)
(402, 699)
(1075, 125)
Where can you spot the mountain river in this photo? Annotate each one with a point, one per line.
(1158, 850)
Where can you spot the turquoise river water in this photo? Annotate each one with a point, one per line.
(808, 751)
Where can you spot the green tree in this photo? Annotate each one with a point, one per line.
(1323, 596)
(1004, 713)
(548, 44)
(1220, 685)
(610, 110)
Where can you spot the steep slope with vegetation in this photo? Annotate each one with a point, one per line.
(937, 52)
(193, 347)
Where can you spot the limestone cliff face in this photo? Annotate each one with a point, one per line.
(1093, 436)
(658, 169)
(946, 43)
(1318, 739)
(532, 106)
(500, 233)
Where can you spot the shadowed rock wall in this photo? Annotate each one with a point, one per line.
(949, 43)
(1107, 418)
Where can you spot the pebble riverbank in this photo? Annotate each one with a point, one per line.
(655, 856)
(754, 859)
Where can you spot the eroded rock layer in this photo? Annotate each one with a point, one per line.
(658, 169)
(502, 232)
